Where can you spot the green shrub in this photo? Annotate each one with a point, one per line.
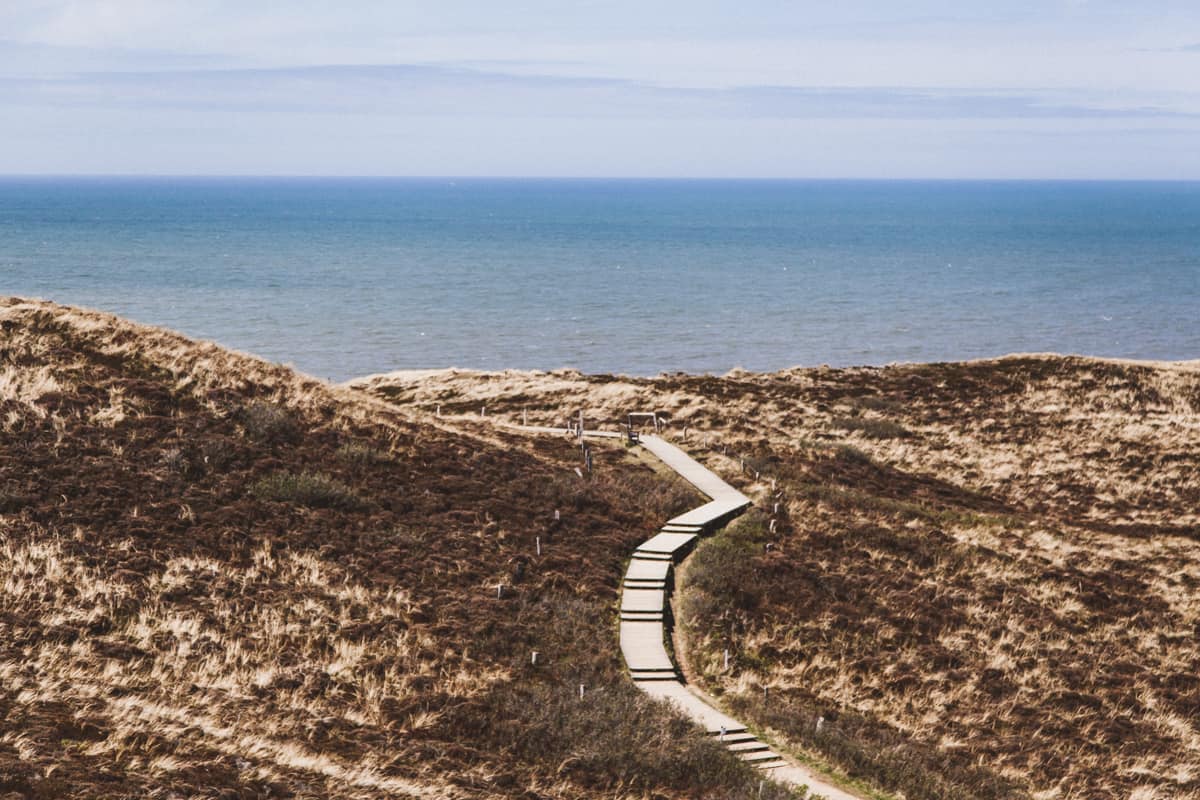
(312, 489)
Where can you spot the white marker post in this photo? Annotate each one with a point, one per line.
(538, 541)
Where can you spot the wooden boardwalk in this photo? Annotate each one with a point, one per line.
(643, 626)
(645, 606)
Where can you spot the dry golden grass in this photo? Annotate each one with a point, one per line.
(222, 579)
(983, 574)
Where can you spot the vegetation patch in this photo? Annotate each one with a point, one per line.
(361, 454)
(997, 606)
(871, 427)
(312, 489)
(169, 626)
(269, 422)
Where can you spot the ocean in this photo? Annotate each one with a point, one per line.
(344, 277)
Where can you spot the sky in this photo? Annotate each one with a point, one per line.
(1070, 89)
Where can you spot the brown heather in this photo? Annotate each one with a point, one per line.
(219, 578)
(985, 577)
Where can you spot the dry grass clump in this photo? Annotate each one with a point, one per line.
(166, 632)
(998, 603)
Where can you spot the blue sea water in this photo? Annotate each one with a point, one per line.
(342, 277)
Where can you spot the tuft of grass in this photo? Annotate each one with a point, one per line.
(871, 427)
(312, 489)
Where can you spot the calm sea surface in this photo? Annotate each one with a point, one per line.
(345, 277)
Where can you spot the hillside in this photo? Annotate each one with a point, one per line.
(982, 580)
(219, 578)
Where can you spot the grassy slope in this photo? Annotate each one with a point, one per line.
(222, 579)
(983, 577)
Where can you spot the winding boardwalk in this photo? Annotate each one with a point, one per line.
(644, 607)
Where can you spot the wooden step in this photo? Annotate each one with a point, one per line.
(646, 556)
(672, 527)
(729, 731)
(749, 746)
(738, 738)
(634, 583)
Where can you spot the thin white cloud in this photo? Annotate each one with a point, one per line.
(410, 90)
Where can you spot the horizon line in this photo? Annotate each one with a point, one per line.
(598, 178)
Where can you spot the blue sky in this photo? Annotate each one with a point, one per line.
(757, 88)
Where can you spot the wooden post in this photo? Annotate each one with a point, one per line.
(439, 410)
(581, 424)
(581, 691)
(499, 590)
(533, 658)
(727, 659)
(538, 540)
(525, 417)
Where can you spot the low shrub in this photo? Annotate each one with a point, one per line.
(312, 489)
(362, 455)
(270, 423)
(871, 428)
